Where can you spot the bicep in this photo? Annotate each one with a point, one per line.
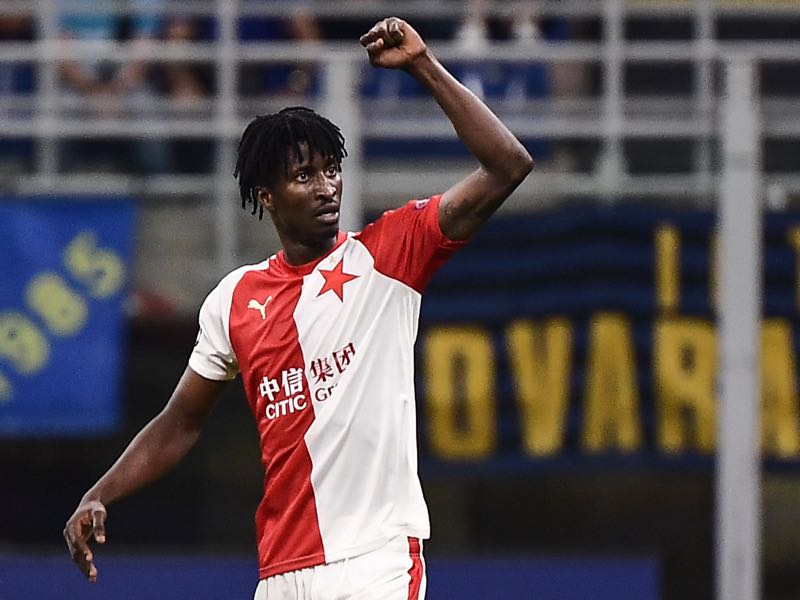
(469, 203)
(193, 399)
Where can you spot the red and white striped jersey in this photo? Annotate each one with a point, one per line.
(325, 350)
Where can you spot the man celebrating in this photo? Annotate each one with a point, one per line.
(322, 334)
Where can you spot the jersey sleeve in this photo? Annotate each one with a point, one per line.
(407, 243)
(213, 356)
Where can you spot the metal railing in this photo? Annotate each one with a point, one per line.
(608, 118)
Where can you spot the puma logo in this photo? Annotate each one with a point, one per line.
(262, 308)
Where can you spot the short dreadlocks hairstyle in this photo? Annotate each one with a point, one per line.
(267, 141)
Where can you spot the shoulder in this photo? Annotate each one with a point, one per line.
(235, 276)
(413, 208)
(228, 284)
(409, 215)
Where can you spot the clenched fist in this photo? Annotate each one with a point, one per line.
(393, 44)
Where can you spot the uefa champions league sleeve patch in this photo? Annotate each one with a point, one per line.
(420, 204)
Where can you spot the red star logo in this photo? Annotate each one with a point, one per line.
(335, 280)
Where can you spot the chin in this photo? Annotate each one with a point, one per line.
(329, 228)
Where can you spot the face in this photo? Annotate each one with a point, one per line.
(305, 205)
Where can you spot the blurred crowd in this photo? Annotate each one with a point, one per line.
(96, 86)
(181, 94)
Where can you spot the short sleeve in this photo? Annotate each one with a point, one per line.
(407, 243)
(213, 356)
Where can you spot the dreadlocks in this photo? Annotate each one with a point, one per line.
(268, 139)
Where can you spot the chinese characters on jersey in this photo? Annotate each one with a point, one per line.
(324, 372)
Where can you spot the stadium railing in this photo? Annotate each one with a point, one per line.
(606, 119)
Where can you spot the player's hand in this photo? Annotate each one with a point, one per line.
(87, 522)
(393, 44)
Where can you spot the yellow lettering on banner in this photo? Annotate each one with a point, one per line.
(100, 269)
(779, 415)
(540, 359)
(611, 413)
(22, 343)
(64, 311)
(668, 278)
(459, 365)
(685, 367)
(793, 236)
(6, 391)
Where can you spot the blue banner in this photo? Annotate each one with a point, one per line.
(224, 577)
(63, 274)
(588, 334)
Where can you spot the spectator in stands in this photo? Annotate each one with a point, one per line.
(105, 88)
(473, 32)
(300, 79)
(185, 82)
(498, 79)
(187, 86)
(379, 84)
(488, 79)
(16, 79)
(515, 82)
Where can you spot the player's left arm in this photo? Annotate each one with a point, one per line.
(504, 162)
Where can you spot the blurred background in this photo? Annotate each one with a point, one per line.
(567, 359)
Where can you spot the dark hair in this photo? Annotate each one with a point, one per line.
(267, 141)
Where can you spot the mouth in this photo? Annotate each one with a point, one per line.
(328, 215)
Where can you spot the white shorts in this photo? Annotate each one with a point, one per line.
(395, 571)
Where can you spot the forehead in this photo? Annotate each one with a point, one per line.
(307, 156)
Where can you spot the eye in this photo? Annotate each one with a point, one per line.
(302, 176)
(331, 171)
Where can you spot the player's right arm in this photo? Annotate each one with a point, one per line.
(503, 161)
(155, 450)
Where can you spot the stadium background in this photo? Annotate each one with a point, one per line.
(566, 359)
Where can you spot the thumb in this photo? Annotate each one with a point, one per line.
(99, 525)
(374, 50)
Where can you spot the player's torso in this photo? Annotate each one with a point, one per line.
(300, 338)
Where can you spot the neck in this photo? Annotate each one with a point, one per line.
(302, 252)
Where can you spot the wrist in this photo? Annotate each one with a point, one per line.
(421, 64)
(93, 495)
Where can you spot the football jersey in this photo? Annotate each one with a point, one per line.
(325, 350)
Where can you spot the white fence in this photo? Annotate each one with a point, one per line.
(608, 117)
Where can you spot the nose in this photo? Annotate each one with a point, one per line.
(326, 187)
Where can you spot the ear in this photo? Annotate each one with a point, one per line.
(264, 198)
